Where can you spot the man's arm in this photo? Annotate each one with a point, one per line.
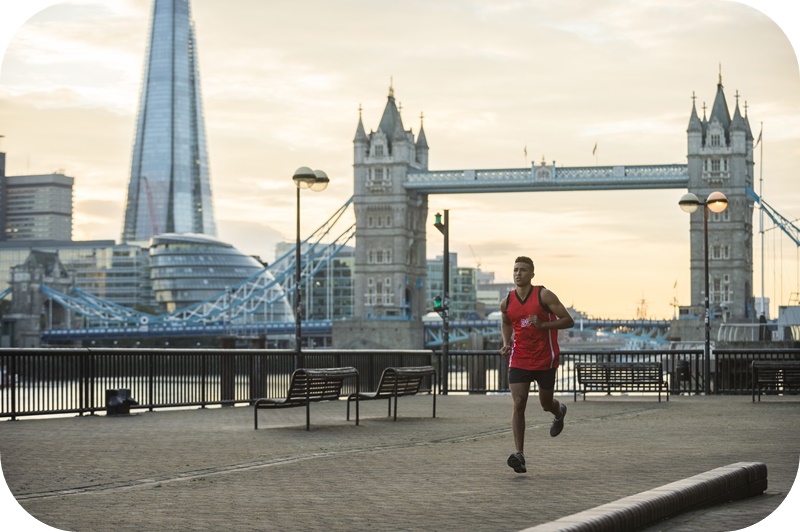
(563, 321)
(506, 328)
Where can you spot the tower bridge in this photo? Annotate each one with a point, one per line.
(391, 185)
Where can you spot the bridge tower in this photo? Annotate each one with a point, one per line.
(720, 157)
(390, 262)
(29, 305)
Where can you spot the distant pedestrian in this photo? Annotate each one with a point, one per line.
(532, 316)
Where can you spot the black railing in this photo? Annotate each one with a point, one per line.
(733, 373)
(484, 372)
(63, 381)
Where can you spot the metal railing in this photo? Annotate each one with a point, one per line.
(480, 372)
(63, 381)
(484, 371)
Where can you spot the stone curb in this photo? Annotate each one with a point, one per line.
(723, 484)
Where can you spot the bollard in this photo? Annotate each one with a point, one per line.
(119, 402)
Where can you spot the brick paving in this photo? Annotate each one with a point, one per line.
(207, 469)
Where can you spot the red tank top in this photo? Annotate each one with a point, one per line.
(533, 348)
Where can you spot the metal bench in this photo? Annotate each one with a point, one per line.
(308, 386)
(397, 382)
(620, 376)
(776, 376)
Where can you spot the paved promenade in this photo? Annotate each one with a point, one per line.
(198, 469)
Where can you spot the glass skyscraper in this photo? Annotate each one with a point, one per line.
(169, 189)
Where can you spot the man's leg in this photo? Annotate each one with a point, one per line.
(519, 395)
(549, 404)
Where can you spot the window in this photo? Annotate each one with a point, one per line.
(378, 179)
(379, 256)
(724, 216)
(379, 150)
(720, 252)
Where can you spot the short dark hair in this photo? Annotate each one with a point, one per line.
(526, 260)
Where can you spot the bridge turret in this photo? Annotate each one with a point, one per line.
(738, 131)
(422, 147)
(360, 142)
(695, 130)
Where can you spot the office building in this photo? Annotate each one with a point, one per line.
(169, 189)
(35, 207)
(463, 288)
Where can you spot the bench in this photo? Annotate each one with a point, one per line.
(394, 383)
(634, 376)
(775, 375)
(308, 386)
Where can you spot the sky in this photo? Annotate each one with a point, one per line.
(283, 81)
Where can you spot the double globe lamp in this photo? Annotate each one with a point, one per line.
(715, 202)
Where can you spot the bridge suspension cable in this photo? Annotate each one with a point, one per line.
(780, 221)
(265, 292)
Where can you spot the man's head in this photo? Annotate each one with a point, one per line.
(526, 260)
(523, 271)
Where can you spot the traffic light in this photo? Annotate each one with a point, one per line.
(437, 304)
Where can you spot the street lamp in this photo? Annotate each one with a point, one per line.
(442, 305)
(316, 180)
(715, 202)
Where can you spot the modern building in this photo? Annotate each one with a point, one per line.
(191, 268)
(35, 207)
(169, 189)
(118, 273)
(463, 288)
(3, 207)
(328, 294)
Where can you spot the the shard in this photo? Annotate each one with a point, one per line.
(169, 189)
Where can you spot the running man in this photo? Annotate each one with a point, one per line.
(533, 315)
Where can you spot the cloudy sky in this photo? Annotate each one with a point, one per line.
(283, 81)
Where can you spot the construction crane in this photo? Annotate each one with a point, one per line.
(150, 207)
(477, 259)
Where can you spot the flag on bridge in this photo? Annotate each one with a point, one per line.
(759, 137)
(595, 149)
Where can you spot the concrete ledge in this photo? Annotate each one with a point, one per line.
(723, 484)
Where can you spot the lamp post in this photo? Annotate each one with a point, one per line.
(715, 202)
(317, 181)
(442, 305)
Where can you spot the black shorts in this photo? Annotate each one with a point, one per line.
(545, 378)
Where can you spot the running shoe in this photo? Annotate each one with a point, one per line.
(517, 462)
(558, 424)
